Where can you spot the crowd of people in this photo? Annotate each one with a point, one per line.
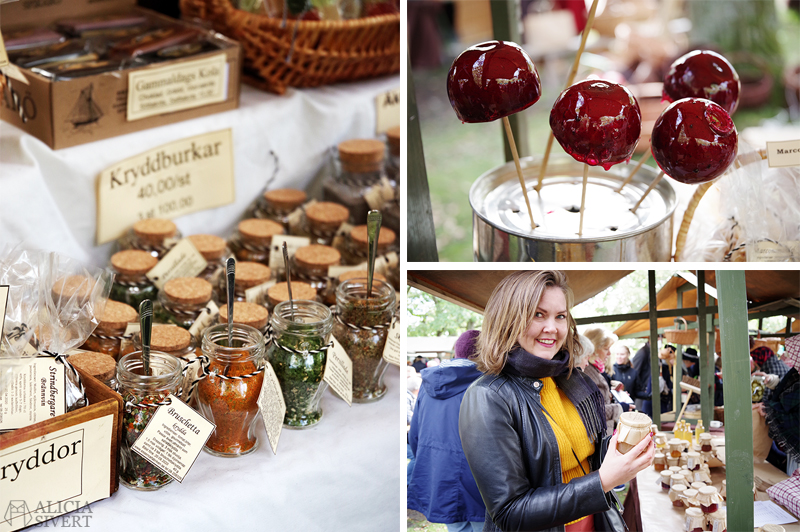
(517, 431)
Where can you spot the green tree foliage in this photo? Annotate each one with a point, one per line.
(431, 316)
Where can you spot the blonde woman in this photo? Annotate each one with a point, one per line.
(532, 427)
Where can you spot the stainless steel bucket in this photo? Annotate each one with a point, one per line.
(501, 228)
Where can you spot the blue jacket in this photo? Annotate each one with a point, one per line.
(442, 488)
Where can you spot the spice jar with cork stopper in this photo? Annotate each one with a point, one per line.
(248, 275)
(391, 209)
(131, 285)
(215, 250)
(694, 520)
(356, 245)
(182, 300)
(279, 292)
(108, 335)
(278, 204)
(351, 274)
(101, 366)
(153, 235)
(310, 264)
(253, 238)
(244, 313)
(321, 220)
(358, 167)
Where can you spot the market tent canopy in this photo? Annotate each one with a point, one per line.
(430, 344)
(471, 288)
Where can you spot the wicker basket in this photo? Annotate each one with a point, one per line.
(680, 336)
(318, 52)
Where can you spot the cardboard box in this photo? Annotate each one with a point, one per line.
(47, 109)
(62, 464)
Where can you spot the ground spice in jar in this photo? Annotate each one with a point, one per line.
(278, 204)
(251, 314)
(254, 238)
(182, 300)
(131, 286)
(248, 275)
(323, 219)
(280, 292)
(99, 365)
(215, 250)
(357, 246)
(107, 336)
(352, 274)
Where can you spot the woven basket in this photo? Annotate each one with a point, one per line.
(681, 337)
(318, 52)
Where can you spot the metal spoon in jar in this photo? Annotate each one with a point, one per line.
(146, 329)
(288, 278)
(374, 219)
(230, 269)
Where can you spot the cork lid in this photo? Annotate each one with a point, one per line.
(327, 213)
(154, 229)
(78, 287)
(188, 290)
(116, 315)
(244, 313)
(317, 256)
(169, 338)
(385, 238)
(285, 198)
(133, 261)
(360, 274)
(259, 230)
(361, 155)
(280, 292)
(250, 274)
(211, 247)
(393, 140)
(98, 365)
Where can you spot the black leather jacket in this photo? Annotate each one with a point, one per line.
(513, 454)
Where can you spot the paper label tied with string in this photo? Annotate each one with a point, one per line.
(173, 438)
(34, 392)
(272, 406)
(339, 371)
(293, 243)
(183, 260)
(258, 294)
(391, 351)
(205, 320)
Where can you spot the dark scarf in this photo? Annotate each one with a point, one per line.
(781, 413)
(581, 391)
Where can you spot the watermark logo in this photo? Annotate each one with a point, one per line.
(17, 514)
(71, 513)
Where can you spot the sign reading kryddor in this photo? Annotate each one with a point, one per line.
(187, 85)
(178, 178)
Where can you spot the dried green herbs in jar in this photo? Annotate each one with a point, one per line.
(362, 326)
(298, 356)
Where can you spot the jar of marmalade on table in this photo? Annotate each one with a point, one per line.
(719, 520)
(659, 461)
(321, 220)
(676, 495)
(253, 239)
(156, 236)
(108, 335)
(709, 499)
(278, 204)
(666, 478)
(358, 167)
(131, 285)
(705, 442)
(694, 521)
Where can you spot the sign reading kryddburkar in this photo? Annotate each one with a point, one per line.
(50, 475)
(174, 179)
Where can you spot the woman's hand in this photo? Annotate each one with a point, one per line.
(618, 468)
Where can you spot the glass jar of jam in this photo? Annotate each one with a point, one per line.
(228, 394)
(690, 498)
(659, 461)
(279, 292)
(705, 442)
(633, 428)
(356, 246)
(676, 495)
(310, 265)
(108, 335)
(215, 250)
(672, 462)
(678, 478)
(321, 221)
(182, 300)
(693, 460)
(697, 485)
(358, 167)
(666, 480)
(703, 474)
(676, 447)
(719, 520)
(248, 275)
(131, 285)
(661, 440)
(278, 204)
(101, 366)
(156, 236)
(674, 469)
(253, 238)
(141, 395)
(244, 313)
(709, 499)
(695, 521)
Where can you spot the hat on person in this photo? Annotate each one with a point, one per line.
(466, 344)
(690, 354)
(761, 354)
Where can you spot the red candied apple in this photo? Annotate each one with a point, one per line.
(703, 74)
(597, 122)
(694, 140)
(491, 80)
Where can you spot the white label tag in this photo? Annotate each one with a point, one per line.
(341, 235)
(339, 372)
(379, 194)
(183, 260)
(3, 302)
(190, 84)
(387, 111)
(258, 294)
(173, 438)
(783, 153)
(296, 217)
(766, 251)
(171, 180)
(391, 351)
(55, 473)
(386, 262)
(132, 328)
(205, 320)
(272, 406)
(293, 243)
(34, 391)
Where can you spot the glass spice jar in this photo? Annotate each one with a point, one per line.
(321, 221)
(362, 326)
(141, 394)
(659, 461)
(182, 300)
(278, 204)
(705, 442)
(357, 168)
(107, 336)
(694, 520)
(248, 275)
(344, 276)
(253, 238)
(719, 520)
(356, 246)
(244, 313)
(310, 265)
(676, 495)
(228, 395)
(215, 250)
(391, 209)
(156, 236)
(101, 366)
(280, 292)
(666, 480)
(131, 285)
(298, 356)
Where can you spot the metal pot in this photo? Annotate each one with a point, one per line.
(501, 228)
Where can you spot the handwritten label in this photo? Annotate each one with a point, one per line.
(272, 406)
(387, 111)
(183, 260)
(293, 243)
(391, 351)
(3, 304)
(384, 263)
(190, 84)
(126, 342)
(783, 153)
(297, 217)
(174, 179)
(34, 391)
(173, 438)
(339, 372)
(767, 251)
(258, 294)
(205, 320)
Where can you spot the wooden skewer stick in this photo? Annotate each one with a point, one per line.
(583, 196)
(643, 160)
(646, 192)
(513, 146)
(585, 35)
